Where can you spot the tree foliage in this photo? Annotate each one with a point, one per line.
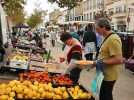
(36, 18)
(66, 3)
(15, 10)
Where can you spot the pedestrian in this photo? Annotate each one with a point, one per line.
(109, 57)
(89, 42)
(14, 38)
(38, 40)
(80, 33)
(29, 34)
(74, 34)
(53, 37)
(73, 54)
(2, 52)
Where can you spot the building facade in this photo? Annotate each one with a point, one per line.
(122, 14)
(85, 11)
(53, 16)
(76, 14)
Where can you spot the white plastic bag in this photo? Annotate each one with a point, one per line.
(91, 80)
(96, 83)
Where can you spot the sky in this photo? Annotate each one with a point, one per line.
(31, 4)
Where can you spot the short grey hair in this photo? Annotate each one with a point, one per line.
(104, 22)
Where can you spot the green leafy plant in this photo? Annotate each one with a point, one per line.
(66, 3)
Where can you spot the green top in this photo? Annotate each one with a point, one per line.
(111, 47)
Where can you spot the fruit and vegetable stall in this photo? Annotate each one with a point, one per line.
(39, 77)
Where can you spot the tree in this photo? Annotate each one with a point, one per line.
(36, 18)
(66, 3)
(15, 10)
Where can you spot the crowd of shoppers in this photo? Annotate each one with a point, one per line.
(108, 47)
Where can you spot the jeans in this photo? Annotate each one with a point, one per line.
(106, 90)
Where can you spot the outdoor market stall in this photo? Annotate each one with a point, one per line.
(46, 83)
(39, 77)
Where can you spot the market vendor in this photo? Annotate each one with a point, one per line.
(73, 54)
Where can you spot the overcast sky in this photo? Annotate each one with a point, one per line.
(31, 4)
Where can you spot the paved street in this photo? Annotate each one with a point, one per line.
(124, 87)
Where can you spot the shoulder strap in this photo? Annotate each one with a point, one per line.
(103, 43)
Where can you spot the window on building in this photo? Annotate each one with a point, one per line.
(94, 3)
(82, 18)
(94, 15)
(87, 17)
(111, 11)
(90, 16)
(125, 8)
(119, 9)
(75, 18)
(90, 4)
(78, 18)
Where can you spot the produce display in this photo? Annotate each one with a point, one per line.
(42, 83)
(28, 90)
(62, 80)
(84, 62)
(36, 57)
(77, 93)
(36, 76)
(18, 60)
(45, 77)
(19, 57)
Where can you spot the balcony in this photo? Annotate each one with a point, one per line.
(119, 14)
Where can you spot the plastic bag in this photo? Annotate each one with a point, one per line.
(91, 80)
(96, 83)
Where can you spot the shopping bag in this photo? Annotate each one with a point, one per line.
(86, 77)
(96, 83)
(91, 80)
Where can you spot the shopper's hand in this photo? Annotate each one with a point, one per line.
(100, 65)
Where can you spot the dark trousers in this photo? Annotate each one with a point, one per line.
(89, 56)
(53, 43)
(106, 90)
(75, 74)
